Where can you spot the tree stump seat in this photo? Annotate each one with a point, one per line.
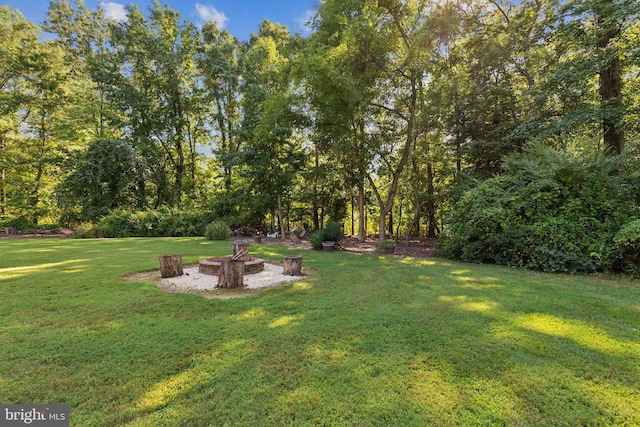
(292, 265)
(171, 266)
(231, 274)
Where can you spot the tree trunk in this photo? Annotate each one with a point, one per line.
(272, 220)
(231, 274)
(3, 177)
(611, 95)
(280, 215)
(3, 192)
(141, 194)
(316, 177)
(386, 206)
(414, 221)
(416, 198)
(353, 216)
(362, 217)
(431, 204)
(179, 176)
(399, 222)
(292, 265)
(171, 266)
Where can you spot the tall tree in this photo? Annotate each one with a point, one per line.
(46, 127)
(18, 53)
(340, 77)
(103, 179)
(83, 35)
(273, 151)
(610, 18)
(220, 67)
(154, 81)
(579, 92)
(486, 68)
(386, 45)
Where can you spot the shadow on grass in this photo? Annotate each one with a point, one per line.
(371, 341)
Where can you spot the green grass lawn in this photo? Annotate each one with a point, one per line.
(369, 341)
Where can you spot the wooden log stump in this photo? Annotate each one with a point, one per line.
(292, 265)
(171, 266)
(241, 246)
(294, 239)
(231, 274)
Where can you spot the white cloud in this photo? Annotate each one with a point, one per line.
(304, 21)
(210, 13)
(115, 11)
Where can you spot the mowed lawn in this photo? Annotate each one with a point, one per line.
(365, 341)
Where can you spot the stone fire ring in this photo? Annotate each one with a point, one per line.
(211, 266)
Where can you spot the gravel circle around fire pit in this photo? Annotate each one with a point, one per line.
(194, 282)
(192, 279)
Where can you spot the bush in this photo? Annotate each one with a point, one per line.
(116, 224)
(548, 212)
(217, 230)
(20, 224)
(154, 223)
(626, 248)
(332, 231)
(86, 230)
(316, 238)
(105, 177)
(387, 243)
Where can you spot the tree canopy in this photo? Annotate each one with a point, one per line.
(389, 114)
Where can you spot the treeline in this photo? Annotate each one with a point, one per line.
(504, 127)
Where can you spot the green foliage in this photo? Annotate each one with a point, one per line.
(375, 92)
(549, 212)
(20, 223)
(386, 243)
(152, 75)
(85, 230)
(104, 179)
(332, 231)
(116, 224)
(154, 223)
(316, 238)
(217, 230)
(626, 248)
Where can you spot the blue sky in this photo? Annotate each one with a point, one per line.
(239, 17)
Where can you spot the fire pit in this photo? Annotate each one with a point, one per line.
(211, 266)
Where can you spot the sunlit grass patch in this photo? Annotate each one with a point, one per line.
(364, 340)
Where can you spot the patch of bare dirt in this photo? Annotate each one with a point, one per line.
(417, 247)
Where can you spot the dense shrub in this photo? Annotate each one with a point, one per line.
(332, 231)
(626, 248)
(217, 230)
(105, 177)
(116, 224)
(19, 223)
(548, 211)
(316, 238)
(154, 223)
(85, 230)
